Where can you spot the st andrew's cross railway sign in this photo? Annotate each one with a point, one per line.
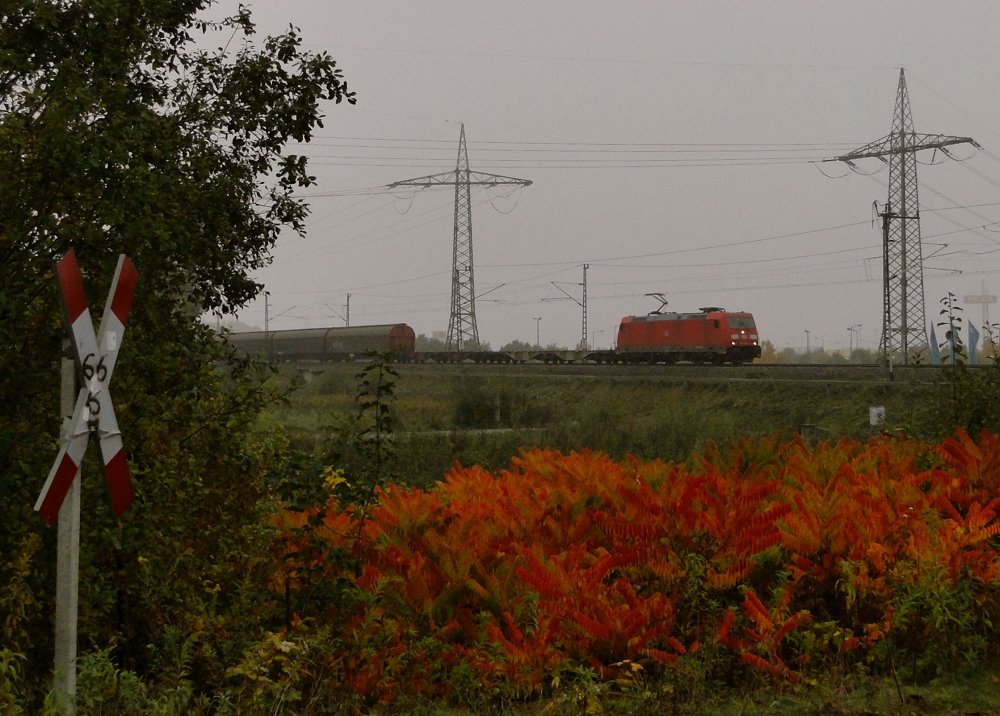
(96, 354)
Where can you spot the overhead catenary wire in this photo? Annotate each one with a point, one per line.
(328, 248)
(564, 265)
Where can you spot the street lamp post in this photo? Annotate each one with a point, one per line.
(850, 345)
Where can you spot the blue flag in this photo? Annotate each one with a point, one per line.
(935, 351)
(973, 340)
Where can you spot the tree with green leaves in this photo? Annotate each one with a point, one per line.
(139, 127)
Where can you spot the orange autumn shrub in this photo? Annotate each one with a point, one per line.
(741, 560)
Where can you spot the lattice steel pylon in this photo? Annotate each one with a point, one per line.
(462, 329)
(904, 328)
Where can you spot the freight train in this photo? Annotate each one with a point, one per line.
(710, 335)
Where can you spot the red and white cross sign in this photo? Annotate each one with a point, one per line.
(96, 355)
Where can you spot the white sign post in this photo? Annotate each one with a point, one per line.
(67, 566)
(92, 412)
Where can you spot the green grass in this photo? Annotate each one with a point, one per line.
(971, 692)
(965, 694)
(483, 415)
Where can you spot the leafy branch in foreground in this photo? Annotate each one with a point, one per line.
(138, 127)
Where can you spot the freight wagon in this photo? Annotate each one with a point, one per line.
(327, 344)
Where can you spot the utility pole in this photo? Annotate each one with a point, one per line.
(347, 318)
(852, 330)
(538, 331)
(266, 316)
(581, 304)
(904, 326)
(462, 329)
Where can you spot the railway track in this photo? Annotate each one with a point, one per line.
(770, 372)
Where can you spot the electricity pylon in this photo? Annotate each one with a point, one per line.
(903, 320)
(462, 329)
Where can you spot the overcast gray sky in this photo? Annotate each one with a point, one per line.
(673, 146)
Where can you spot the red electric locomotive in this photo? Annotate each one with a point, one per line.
(713, 335)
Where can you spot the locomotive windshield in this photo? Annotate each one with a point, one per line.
(741, 321)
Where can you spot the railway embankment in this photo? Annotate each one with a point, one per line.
(484, 414)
